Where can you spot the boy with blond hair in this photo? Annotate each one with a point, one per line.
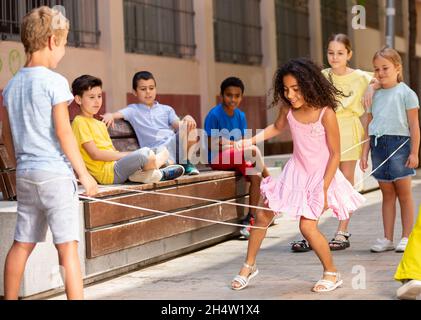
(39, 138)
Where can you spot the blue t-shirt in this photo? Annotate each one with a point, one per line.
(153, 126)
(219, 124)
(29, 99)
(389, 111)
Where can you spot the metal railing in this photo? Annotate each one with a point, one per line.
(237, 30)
(292, 29)
(160, 27)
(84, 30)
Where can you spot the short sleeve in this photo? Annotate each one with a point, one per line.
(172, 116)
(59, 91)
(211, 124)
(411, 100)
(367, 76)
(82, 131)
(127, 113)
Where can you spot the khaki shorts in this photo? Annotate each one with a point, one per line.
(46, 199)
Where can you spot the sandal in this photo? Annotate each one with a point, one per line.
(340, 241)
(328, 285)
(244, 281)
(300, 246)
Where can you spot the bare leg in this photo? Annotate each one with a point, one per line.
(14, 268)
(406, 201)
(254, 193)
(151, 164)
(162, 157)
(320, 246)
(263, 219)
(388, 208)
(69, 261)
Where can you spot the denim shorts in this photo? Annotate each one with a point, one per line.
(394, 169)
(46, 199)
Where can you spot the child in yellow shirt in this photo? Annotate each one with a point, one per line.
(104, 162)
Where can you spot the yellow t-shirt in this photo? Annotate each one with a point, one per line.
(89, 129)
(353, 85)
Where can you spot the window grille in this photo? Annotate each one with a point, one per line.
(237, 30)
(292, 29)
(160, 27)
(84, 31)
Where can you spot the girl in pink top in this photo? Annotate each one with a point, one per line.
(311, 182)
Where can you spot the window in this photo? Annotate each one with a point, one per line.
(372, 10)
(81, 13)
(237, 30)
(160, 27)
(292, 29)
(334, 19)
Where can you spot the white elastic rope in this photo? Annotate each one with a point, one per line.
(104, 189)
(353, 147)
(372, 172)
(168, 213)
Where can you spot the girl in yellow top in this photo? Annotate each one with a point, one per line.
(354, 84)
(103, 161)
(356, 87)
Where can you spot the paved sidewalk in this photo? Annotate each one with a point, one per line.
(206, 274)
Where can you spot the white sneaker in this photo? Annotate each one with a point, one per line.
(402, 245)
(148, 176)
(383, 245)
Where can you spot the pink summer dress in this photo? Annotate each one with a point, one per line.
(299, 189)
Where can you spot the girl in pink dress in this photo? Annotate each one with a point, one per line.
(311, 182)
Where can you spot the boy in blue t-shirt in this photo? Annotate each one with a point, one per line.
(38, 136)
(225, 124)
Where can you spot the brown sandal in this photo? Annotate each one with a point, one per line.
(340, 241)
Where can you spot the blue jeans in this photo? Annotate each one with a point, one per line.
(394, 169)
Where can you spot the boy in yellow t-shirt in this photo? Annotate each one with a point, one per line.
(104, 162)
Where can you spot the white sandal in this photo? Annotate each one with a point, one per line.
(244, 281)
(328, 285)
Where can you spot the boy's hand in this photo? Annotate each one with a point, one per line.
(108, 119)
(90, 185)
(190, 123)
(412, 162)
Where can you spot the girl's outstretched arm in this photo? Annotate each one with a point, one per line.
(330, 123)
(271, 131)
(414, 126)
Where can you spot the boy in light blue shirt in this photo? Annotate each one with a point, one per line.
(157, 125)
(38, 137)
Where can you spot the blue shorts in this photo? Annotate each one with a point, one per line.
(394, 169)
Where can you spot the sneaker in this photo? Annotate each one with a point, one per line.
(172, 172)
(383, 245)
(149, 176)
(402, 245)
(411, 290)
(245, 232)
(190, 169)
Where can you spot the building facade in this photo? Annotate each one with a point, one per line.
(192, 45)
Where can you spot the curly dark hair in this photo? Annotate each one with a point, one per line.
(317, 91)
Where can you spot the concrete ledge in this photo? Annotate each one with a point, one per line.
(42, 270)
